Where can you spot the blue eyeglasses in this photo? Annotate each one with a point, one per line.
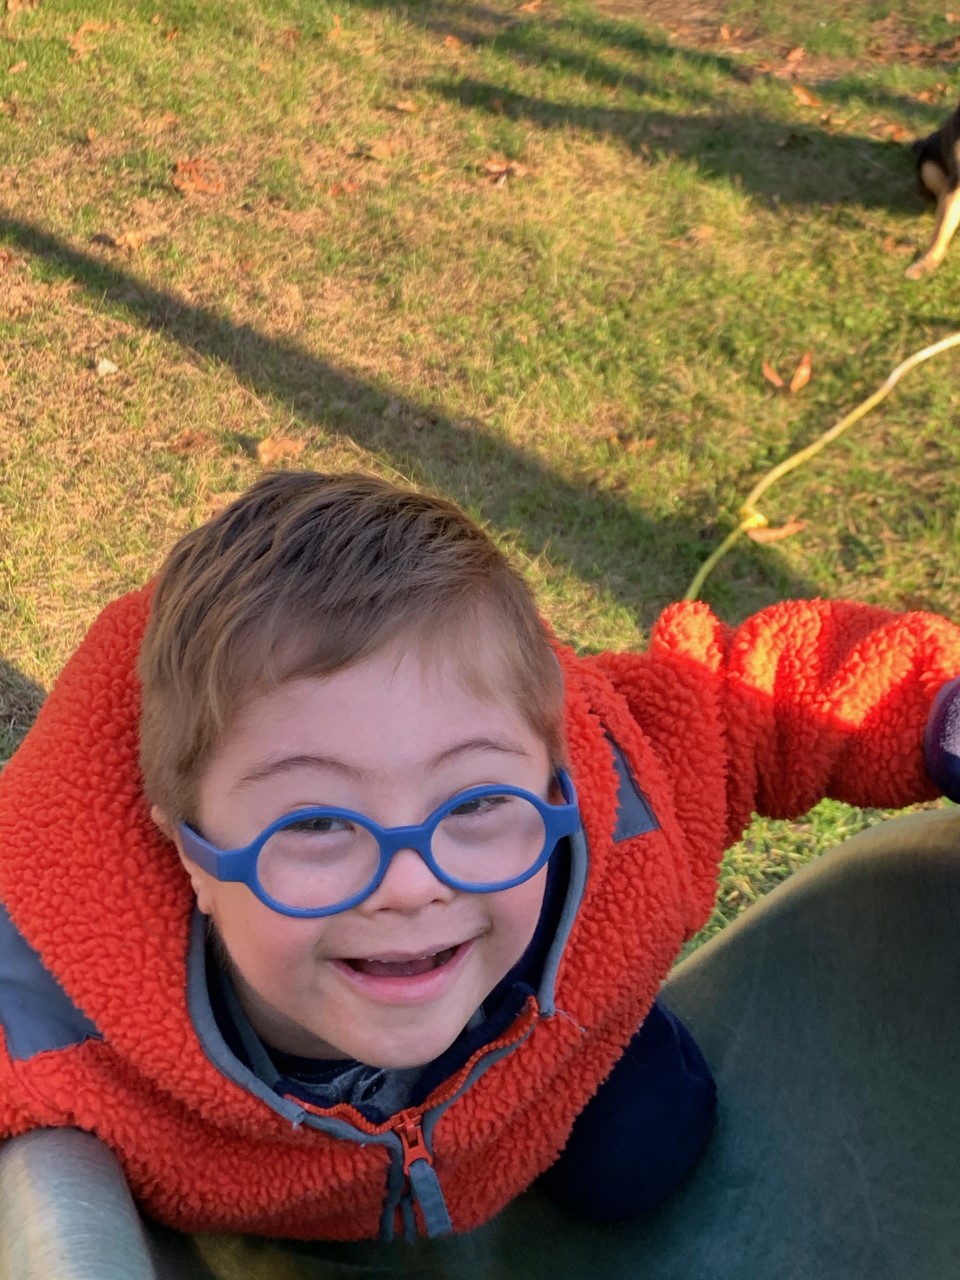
(320, 861)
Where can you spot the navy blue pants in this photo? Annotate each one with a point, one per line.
(643, 1131)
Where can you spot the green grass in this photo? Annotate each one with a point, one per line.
(574, 353)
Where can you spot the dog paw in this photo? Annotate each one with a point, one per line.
(917, 270)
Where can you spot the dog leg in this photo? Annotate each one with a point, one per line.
(948, 219)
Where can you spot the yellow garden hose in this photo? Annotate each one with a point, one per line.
(751, 518)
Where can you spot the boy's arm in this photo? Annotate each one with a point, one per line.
(805, 699)
(827, 699)
(833, 700)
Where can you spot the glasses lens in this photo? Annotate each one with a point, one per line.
(318, 862)
(489, 840)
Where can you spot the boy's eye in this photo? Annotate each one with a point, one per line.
(319, 825)
(482, 804)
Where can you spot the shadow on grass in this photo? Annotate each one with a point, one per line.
(780, 163)
(20, 700)
(776, 160)
(598, 534)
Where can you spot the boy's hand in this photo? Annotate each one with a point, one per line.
(942, 741)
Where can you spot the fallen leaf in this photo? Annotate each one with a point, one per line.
(336, 31)
(804, 96)
(770, 533)
(530, 7)
(17, 68)
(105, 367)
(190, 177)
(701, 235)
(895, 132)
(190, 440)
(274, 448)
(344, 188)
(630, 443)
(771, 375)
(136, 239)
(802, 373)
(500, 170)
(794, 56)
(452, 42)
(724, 33)
(172, 34)
(928, 95)
(406, 106)
(265, 67)
(91, 134)
(383, 149)
(79, 42)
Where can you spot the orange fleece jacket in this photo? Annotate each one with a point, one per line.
(805, 699)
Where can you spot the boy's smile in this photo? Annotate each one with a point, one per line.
(393, 981)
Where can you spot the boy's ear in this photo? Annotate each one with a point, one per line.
(160, 820)
(198, 878)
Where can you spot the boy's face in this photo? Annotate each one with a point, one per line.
(391, 738)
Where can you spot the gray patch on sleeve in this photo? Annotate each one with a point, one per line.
(35, 1011)
(635, 817)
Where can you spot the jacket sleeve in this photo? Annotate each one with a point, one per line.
(805, 699)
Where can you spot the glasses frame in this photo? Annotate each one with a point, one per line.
(239, 866)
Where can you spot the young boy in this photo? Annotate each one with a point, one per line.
(338, 894)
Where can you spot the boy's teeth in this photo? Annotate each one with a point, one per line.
(402, 968)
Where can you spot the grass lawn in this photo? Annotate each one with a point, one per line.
(533, 255)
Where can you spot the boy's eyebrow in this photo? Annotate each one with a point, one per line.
(270, 767)
(505, 746)
(312, 761)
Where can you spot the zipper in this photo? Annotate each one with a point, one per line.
(421, 1185)
(410, 1133)
(413, 1181)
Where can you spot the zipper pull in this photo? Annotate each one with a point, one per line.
(423, 1186)
(414, 1144)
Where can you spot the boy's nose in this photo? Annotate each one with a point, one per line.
(408, 885)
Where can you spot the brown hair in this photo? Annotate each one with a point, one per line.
(306, 574)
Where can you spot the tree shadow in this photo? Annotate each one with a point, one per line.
(780, 161)
(596, 533)
(20, 700)
(777, 162)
